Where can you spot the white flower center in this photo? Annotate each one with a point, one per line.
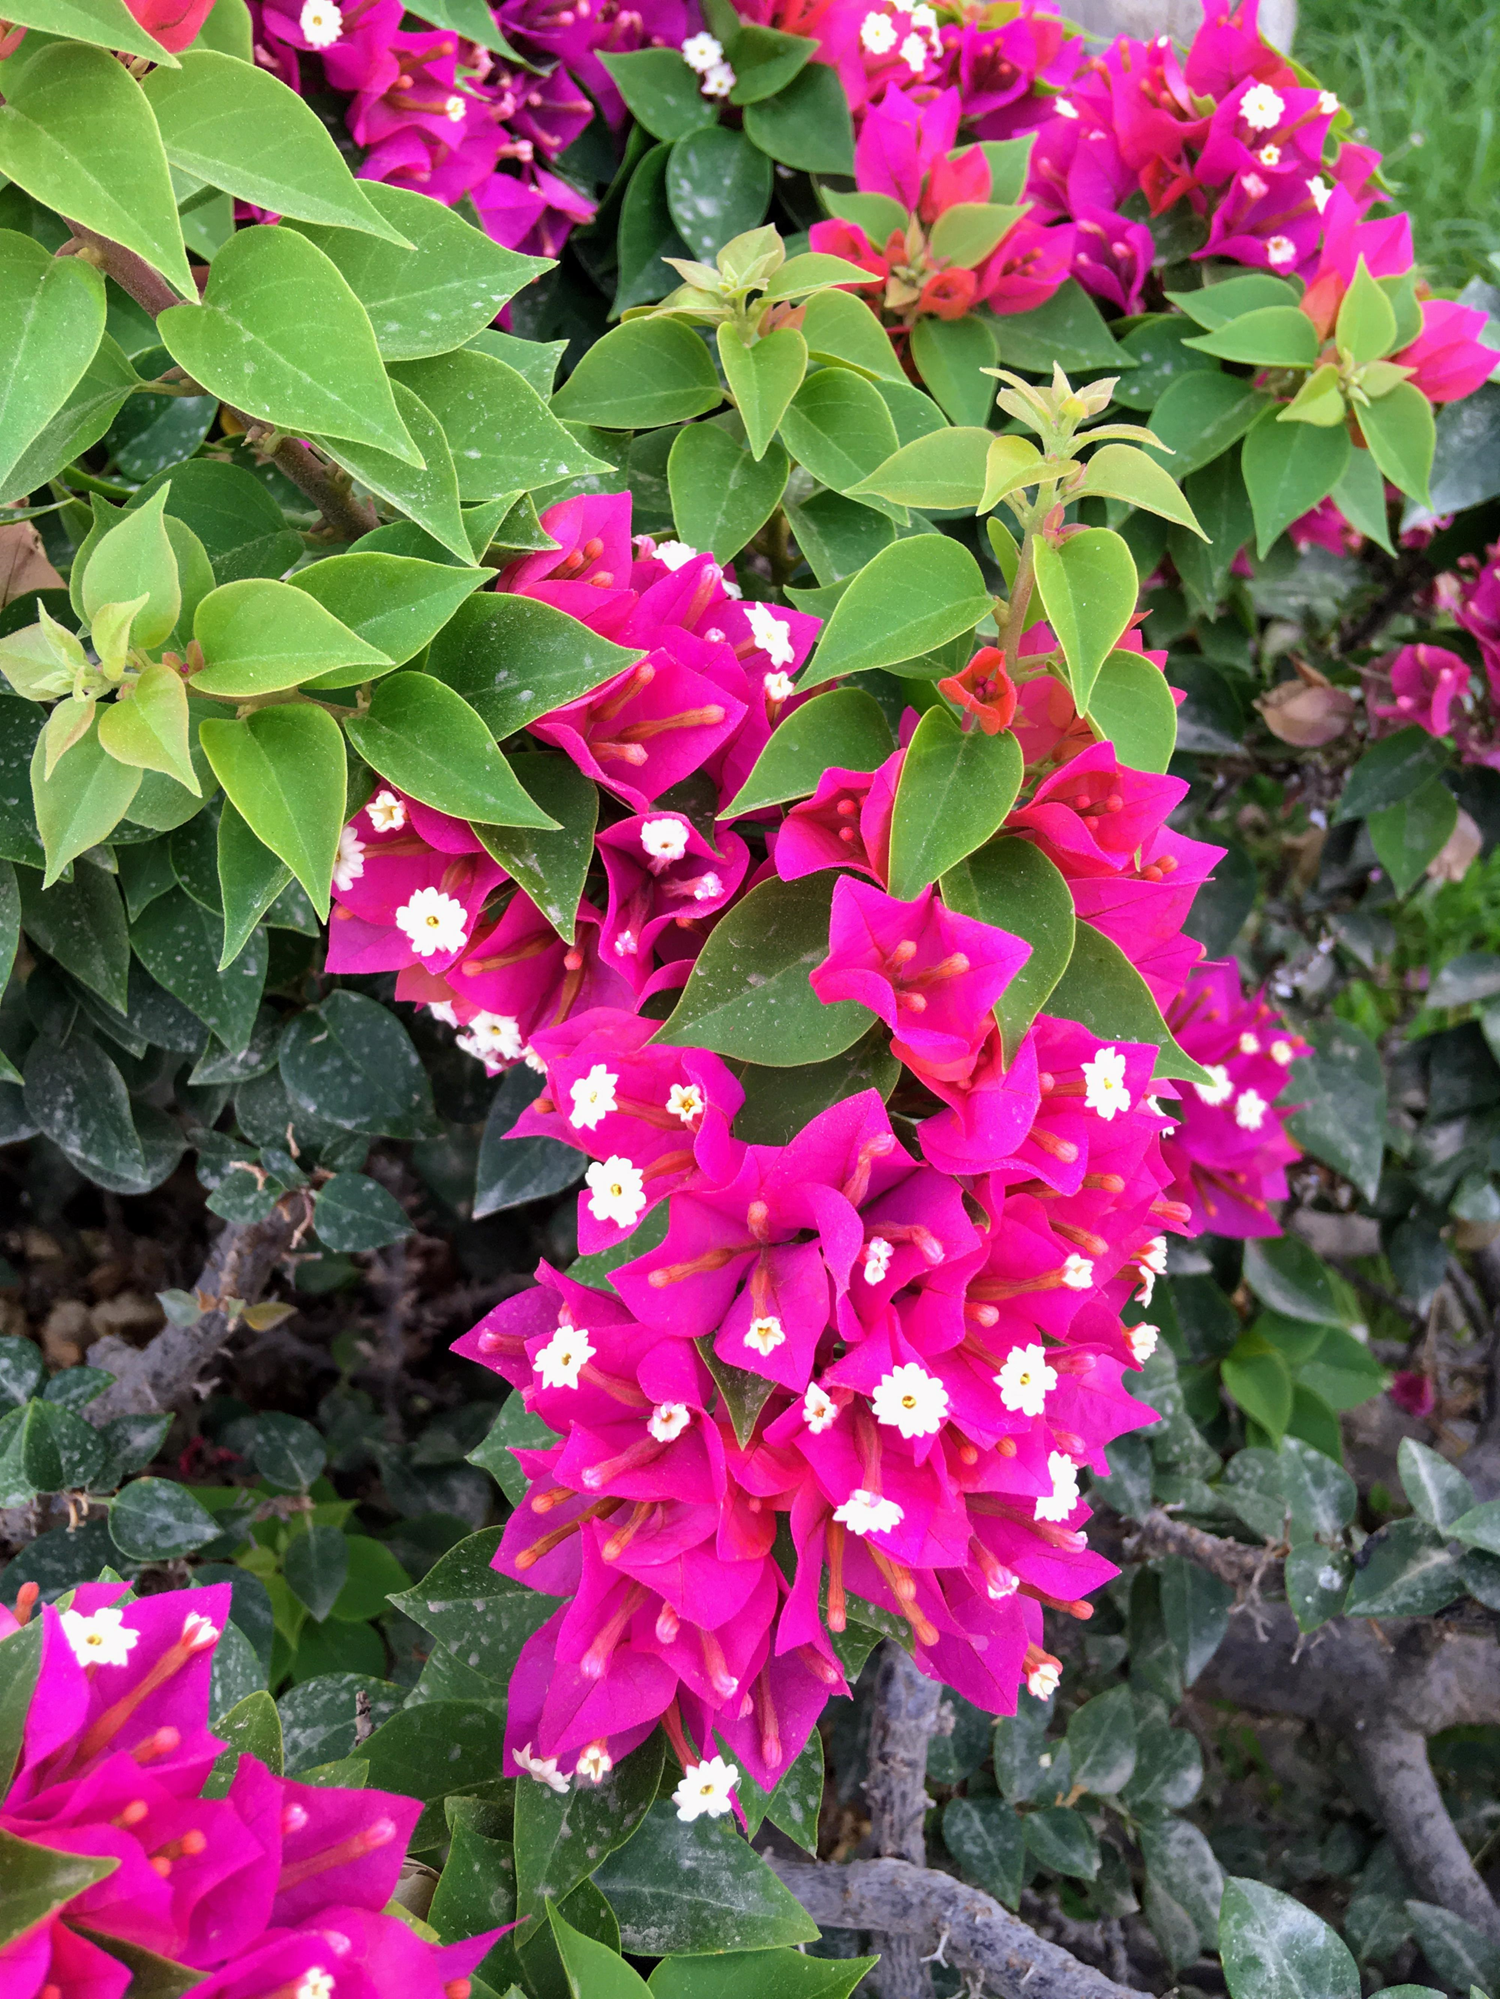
(1104, 1084)
(1026, 1380)
(563, 1359)
(1078, 1273)
(685, 1102)
(668, 1420)
(1261, 108)
(103, 1639)
(617, 1191)
(433, 923)
(593, 1098)
(1250, 1110)
(386, 812)
(765, 1336)
(819, 1410)
(664, 839)
(911, 1400)
(349, 862)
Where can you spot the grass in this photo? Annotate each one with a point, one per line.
(1422, 78)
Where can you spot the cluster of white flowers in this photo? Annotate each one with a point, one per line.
(704, 55)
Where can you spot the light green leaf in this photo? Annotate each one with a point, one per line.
(150, 729)
(946, 468)
(1132, 707)
(840, 328)
(1401, 432)
(916, 595)
(1121, 472)
(762, 378)
(1408, 835)
(954, 793)
(259, 636)
(107, 24)
(1272, 336)
(642, 374)
(1288, 469)
(514, 659)
(283, 769)
(82, 802)
(54, 315)
(133, 559)
(394, 603)
(502, 435)
(1088, 588)
(1366, 325)
(427, 494)
(838, 427)
(427, 740)
(845, 730)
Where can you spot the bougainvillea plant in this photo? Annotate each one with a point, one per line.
(683, 622)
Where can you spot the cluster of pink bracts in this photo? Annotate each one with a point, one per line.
(925, 1334)
(274, 1890)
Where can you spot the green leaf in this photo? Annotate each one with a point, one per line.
(765, 60)
(472, 21)
(253, 1727)
(1132, 707)
(1063, 1840)
(1406, 1570)
(394, 603)
(1273, 1947)
(54, 1449)
(250, 879)
(181, 945)
(812, 271)
(513, 659)
(954, 793)
(108, 24)
(149, 730)
(844, 730)
(20, 1662)
(76, 132)
(779, 1102)
(1360, 496)
(82, 925)
(762, 378)
(1088, 587)
(1400, 431)
(1202, 414)
(40, 1879)
(1121, 472)
(240, 526)
(561, 1839)
(318, 1717)
(646, 235)
(285, 1450)
(317, 1561)
(240, 128)
(259, 637)
(353, 1212)
(946, 468)
(1272, 336)
(1102, 990)
(988, 1840)
(759, 1974)
(1069, 330)
(1010, 884)
(662, 93)
(54, 311)
(697, 1888)
(1216, 304)
(838, 427)
(1343, 1373)
(82, 802)
(283, 769)
(915, 596)
(1408, 835)
(1366, 326)
(1341, 1097)
(721, 496)
(949, 353)
(1437, 1491)
(550, 867)
(840, 328)
(429, 495)
(81, 422)
(1156, 343)
(1288, 469)
(253, 343)
(593, 1970)
(642, 374)
(1255, 1374)
(501, 433)
(352, 1062)
(157, 1520)
(1317, 1581)
(718, 186)
(515, 1428)
(748, 994)
(1459, 1953)
(806, 124)
(1288, 1275)
(429, 742)
(1390, 771)
(430, 1750)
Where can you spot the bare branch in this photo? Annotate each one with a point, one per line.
(903, 1716)
(1412, 1810)
(239, 1266)
(1233, 1562)
(900, 1900)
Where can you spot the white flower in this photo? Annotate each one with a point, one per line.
(101, 1640)
(1283, 1052)
(494, 1037)
(1250, 1111)
(911, 1400)
(617, 1192)
(1078, 1273)
(707, 886)
(674, 553)
(1319, 189)
(1154, 1256)
(1269, 156)
(454, 109)
(924, 20)
(668, 1420)
(819, 1410)
(1026, 1380)
(1104, 1088)
(765, 1336)
(1328, 104)
(1043, 1678)
(664, 839)
(534, 1061)
(433, 923)
(595, 1763)
(1064, 107)
(701, 52)
(1064, 1495)
(718, 83)
(1253, 185)
(1261, 108)
(914, 54)
(564, 1357)
(543, 1769)
(779, 686)
(1249, 1043)
(1141, 1341)
(1220, 1089)
(316, 1983)
(625, 944)
(704, 1790)
(386, 812)
(877, 35)
(867, 1513)
(198, 1632)
(1281, 250)
(772, 635)
(321, 23)
(730, 587)
(349, 861)
(443, 1010)
(593, 1098)
(685, 1102)
(878, 1254)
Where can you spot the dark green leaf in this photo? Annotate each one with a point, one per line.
(352, 1062)
(354, 1212)
(155, 1520)
(513, 659)
(1010, 884)
(1405, 1570)
(40, 1879)
(551, 867)
(718, 186)
(954, 793)
(697, 1887)
(315, 1566)
(1274, 1948)
(915, 596)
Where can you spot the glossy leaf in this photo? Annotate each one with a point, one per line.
(1122, 472)
(1131, 706)
(259, 636)
(1408, 835)
(718, 185)
(550, 866)
(661, 91)
(283, 769)
(1400, 430)
(427, 494)
(806, 124)
(1272, 336)
(81, 803)
(954, 793)
(950, 353)
(838, 427)
(561, 1839)
(54, 310)
(40, 1879)
(845, 730)
(946, 468)
(644, 373)
(1011, 884)
(762, 378)
(513, 659)
(501, 433)
(181, 944)
(1088, 590)
(429, 742)
(913, 597)
(1202, 414)
(351, 1061)
(1103, 990)
(394, 603)
(149, 730)
(155, 1520)
(1288, 469)
(697, 1887)
(721, 495)
(840, 328)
